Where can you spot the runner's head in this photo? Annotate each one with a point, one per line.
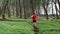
(34, 12)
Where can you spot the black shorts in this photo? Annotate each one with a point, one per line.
(34, 20)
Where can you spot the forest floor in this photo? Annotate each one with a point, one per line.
(23, 26)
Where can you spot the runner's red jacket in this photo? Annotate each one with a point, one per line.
(34, 17)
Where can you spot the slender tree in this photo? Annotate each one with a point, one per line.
(38, 6)
(56, 9)
(52, 7)
(5, 3)
(45, 8)
(20, 8)
(13, 11)
(59, 6)
(32, 5)
(25, 16)
(17, 8)
(8, 8)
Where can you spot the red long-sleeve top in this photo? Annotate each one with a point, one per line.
(34, 16)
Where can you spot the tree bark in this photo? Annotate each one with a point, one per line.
(59, 3)
(17, 8)
(4, 8)
(8, 8)
(38, 6)
(9, 14)
(20, 9)
(45, 8)
(59, 6)
(56, 10)
(13, 10)
(32, 5)
(25, 16)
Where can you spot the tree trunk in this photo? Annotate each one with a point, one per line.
(59, 6)
(38, 6)
(9, 14)
(25, 16)
(8, 8)
(20, 9)
(45, 8)
(52, 9)
(32, 5)
(13, 11)
(59, 3)
(4, 8)
(3, 16)
(17, 8)
(56, 10)
(46, 13)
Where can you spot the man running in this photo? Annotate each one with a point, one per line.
(34, 17)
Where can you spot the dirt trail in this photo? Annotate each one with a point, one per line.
(36, 30)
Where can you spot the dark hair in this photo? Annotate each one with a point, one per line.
(33, 13)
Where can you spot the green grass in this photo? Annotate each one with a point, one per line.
(22, 26)
(49, 26)
(15, 27)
